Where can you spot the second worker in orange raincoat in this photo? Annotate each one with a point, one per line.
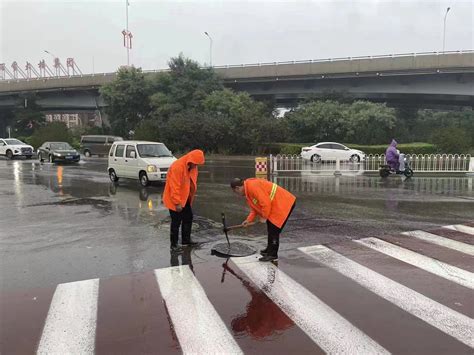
(272, 204)
(178, 196)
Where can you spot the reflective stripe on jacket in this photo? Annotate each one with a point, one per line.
(268, 200)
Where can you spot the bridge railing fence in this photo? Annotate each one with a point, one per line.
(324, 60)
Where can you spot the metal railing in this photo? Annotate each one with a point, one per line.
(432, 163)
(338, 59)
(324, 60)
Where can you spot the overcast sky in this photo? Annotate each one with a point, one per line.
(243, 31)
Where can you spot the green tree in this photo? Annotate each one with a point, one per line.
(147, 130)
(52, 132)
(359, 122)
(6, 120)
(240, 123)
(406, 120)
(127, 99)
(27, 119)
(317, 121)
(431, 121)
(452, 140)
(187, 130)
(369, 123)
(182, 88)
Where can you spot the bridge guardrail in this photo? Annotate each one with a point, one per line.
(399, 55)
(324, 60)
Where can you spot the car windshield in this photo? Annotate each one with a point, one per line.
(61, 146)
(13, 141)
(153, 151)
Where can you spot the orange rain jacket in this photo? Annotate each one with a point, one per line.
(181, 184)
(268, 200)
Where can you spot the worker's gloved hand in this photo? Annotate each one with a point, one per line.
(262, 220)
(179, 208)
(245, 223)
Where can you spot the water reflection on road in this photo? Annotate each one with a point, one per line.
(348, 185)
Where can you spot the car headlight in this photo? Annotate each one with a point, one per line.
(56, 154)
(151, 169)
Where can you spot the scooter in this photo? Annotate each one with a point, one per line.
(404, 168)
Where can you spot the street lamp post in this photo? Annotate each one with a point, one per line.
(210, 48)
(51, 54)
(127, 35)
(126, 28)
(444, 29)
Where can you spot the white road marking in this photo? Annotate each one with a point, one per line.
(439, 316)
(442, 241)
(436, 267)
(198, 327)
(333, 333)
(461, 228)
(72, 318)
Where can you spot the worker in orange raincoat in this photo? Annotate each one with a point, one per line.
(272, 204)
(178, 196)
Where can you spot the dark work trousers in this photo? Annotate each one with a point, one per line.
(183, 219)
(274, 235)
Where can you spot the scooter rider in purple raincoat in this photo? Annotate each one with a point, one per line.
(392, 155)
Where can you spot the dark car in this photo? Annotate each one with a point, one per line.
(97, 145)
(58, 151)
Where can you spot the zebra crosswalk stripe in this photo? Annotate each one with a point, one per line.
(72, 318)
(436, 267)
(442, 241)
(197, 324)
(455, 324)
(461, 228)
(333, 333)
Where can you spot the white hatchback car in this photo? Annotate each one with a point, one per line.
(329, 151)
(139, 160)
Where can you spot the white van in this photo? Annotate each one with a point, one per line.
(140, 160)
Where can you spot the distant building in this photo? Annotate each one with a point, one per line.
(75, 120)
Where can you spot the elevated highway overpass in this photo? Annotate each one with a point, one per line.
(424, 78)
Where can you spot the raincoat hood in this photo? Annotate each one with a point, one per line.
(195, 156)
(394, 143)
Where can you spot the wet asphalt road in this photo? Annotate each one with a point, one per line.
(65, 223)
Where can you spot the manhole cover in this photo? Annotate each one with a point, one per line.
(236, 249)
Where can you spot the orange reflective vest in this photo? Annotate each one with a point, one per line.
(268, 200)
(181, 183)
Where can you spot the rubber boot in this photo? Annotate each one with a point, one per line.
(186, 228)
(272, 254)
(174, 235)
(264, 252)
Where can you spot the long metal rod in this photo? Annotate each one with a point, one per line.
(225, 229)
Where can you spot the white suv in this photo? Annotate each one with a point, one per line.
(11, 148)
(140, 160)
